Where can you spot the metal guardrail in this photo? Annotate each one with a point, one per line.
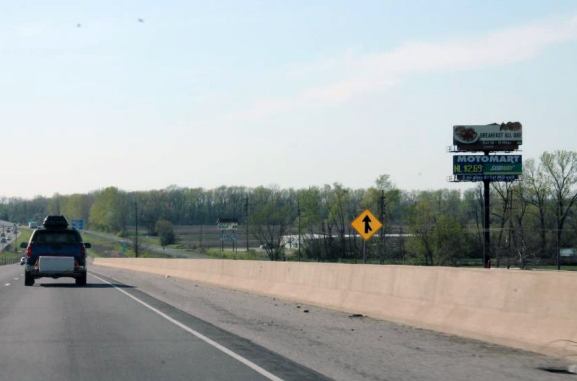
(8, 261)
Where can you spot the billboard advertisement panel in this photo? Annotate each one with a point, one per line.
(487, 167)
(489, 137)
(228, 225)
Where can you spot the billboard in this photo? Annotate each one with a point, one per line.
(489, 137)
(487, 167)
(227, 238)
(228, 225)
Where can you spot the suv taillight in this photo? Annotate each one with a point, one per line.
(83, 252)
(29, 252)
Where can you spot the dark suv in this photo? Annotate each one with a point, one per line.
(55, 251)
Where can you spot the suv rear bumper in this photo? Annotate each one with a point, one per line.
(77, 273)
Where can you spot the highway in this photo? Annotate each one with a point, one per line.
(132, 326)
(108, 331)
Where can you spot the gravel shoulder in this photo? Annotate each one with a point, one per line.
(341, 346)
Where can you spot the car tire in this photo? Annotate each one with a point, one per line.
(82, 280)
(28, 279)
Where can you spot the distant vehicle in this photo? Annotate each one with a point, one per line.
(32, 225)
(22, 261)
(3, 240)
(55, 251)
(269, 246)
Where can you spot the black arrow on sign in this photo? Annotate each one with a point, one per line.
(367, 222)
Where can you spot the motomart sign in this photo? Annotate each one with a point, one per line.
(487, 167)
(489, 137)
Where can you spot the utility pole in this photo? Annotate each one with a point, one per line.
(15, 238)
(558, 247)
(508, 239)
(382, 202)
(299, 217)
(246, 213)
(136, 229)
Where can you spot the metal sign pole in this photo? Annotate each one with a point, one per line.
(299, 218)
(487, 224)
(364, 251)
(246, 212)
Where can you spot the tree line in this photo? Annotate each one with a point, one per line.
(531, 220)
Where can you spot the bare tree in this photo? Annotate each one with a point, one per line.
(311, 216)
(271, 220)
(561, 166)
(422, 223)
(55, 204)
(518, 233)
(539, 185)
(474, 204)
(503, 189)
(336, 200)
(381, 196)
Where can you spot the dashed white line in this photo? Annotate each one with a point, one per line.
(7, 284)
(15, 278)
(246, 362)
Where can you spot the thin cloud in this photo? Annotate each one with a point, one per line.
(380, 71)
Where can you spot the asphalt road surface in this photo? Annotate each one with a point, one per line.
(108, 331)
(131, 326)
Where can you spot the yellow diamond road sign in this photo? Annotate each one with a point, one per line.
(366, 224)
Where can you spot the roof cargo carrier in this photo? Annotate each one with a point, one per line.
(55, 222)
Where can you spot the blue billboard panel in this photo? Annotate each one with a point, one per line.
(484, 165)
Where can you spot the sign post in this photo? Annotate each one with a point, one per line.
(227, 227)
(78, 224)
(366, 224)
(15, 238)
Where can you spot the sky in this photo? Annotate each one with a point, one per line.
(143, 94)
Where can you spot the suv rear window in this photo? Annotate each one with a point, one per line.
(55, 236)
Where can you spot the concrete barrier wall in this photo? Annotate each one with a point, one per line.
(533, 310)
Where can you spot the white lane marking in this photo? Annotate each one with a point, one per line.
(246, 362)
(7, 284)
(15, 278)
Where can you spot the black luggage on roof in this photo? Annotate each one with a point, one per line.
(55, 222)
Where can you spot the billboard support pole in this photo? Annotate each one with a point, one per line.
(487, 223)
